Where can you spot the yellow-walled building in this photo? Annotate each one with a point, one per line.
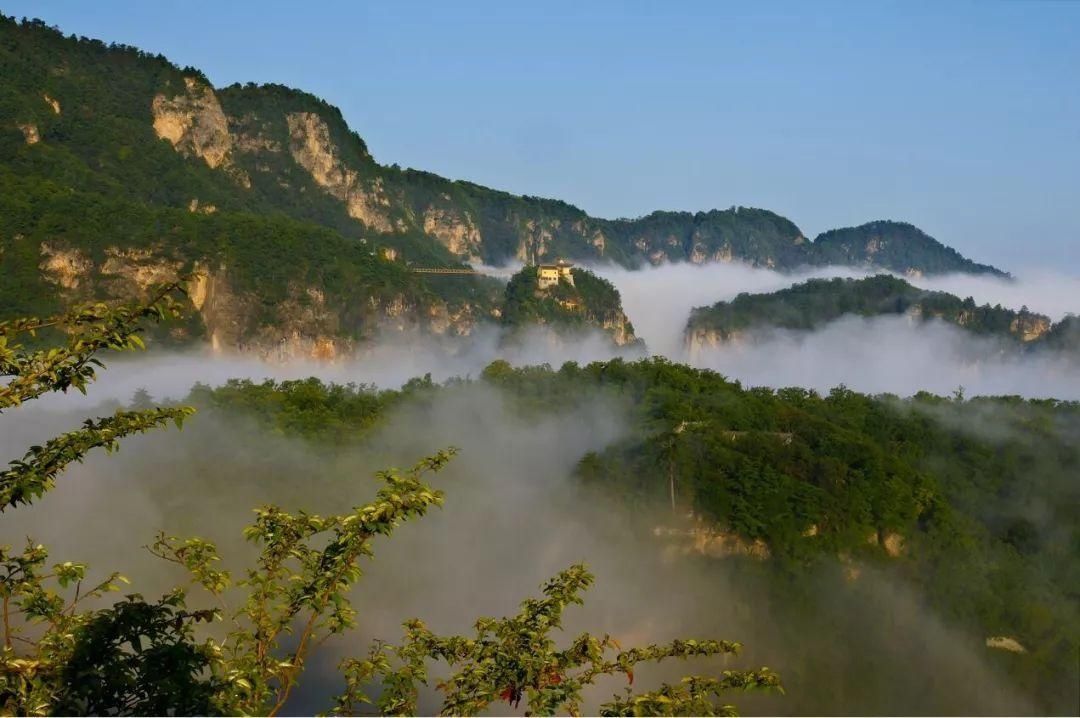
(548, 275)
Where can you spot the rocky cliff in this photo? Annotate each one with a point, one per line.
(272, 148)
(115, 162)
(302, 323)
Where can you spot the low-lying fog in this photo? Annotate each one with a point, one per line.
(885, 354)
(514, 515)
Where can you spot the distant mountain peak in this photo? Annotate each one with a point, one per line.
(898, 246)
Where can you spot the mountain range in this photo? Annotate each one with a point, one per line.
(119, 169)
(816, 302)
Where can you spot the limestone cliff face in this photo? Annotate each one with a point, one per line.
(534, 239)
(455, 230)
(306, 324)
(619, 327)
(473, 223)
(693, 535)
(457, 322)
(141, 267)
(1026, 326)
(705, 540)
(196, 126)
(700, 254)
(699, 339)
(1030, 327)
(593, 235)
(30, 133)
(64, 267)
(312, 149)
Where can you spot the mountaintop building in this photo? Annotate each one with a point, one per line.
(548, 275)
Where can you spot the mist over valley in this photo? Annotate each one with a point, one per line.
(365, 439)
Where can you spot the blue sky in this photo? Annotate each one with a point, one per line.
(962, 118)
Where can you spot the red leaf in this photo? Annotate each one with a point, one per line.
(630, 677)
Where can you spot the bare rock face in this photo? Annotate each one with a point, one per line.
(890, 541)
(446, 322)
(222, 310)
(699, 339)
(30, 133)
(713, 542)
(143, 268)
(595, 237)
(194, 206)
(620, 329)
(305, 324)
(699, 254)
(1005, 643)
(310, 146)
(1029, 327)
(456, 231)
(535, 238)
(196, 126)
(55, 105)
(302, 327)
(67, 268)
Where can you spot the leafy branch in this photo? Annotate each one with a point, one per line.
(90, 329)
(515, 658)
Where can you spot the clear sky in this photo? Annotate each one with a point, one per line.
(962, 118)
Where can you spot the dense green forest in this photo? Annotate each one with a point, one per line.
(970, 501)
(587, 301)
(264, 260)
(66, 649)
(112, 131)
(892, 245)
(816, 302)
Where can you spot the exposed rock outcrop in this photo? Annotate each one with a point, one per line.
(141, 267)
(618, 326)
(456, 231)
(312, 148)
(201, 208)
(534, 238)
(195, 125)
(699, 339)
(30, 133)
(713, 542)
(1030, 327)
(305, 324)
(1004, 643)
(67, 268)
(890, 541)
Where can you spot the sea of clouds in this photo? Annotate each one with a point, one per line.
(879, 355)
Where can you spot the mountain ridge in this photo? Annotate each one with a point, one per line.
(266, 138)
(116, 166)
(811, 304)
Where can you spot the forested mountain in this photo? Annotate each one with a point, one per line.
(580, 300)
(816, 302)
(790, 484)
(118, 168)
(893, 245)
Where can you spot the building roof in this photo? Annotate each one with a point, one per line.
(559, 264)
